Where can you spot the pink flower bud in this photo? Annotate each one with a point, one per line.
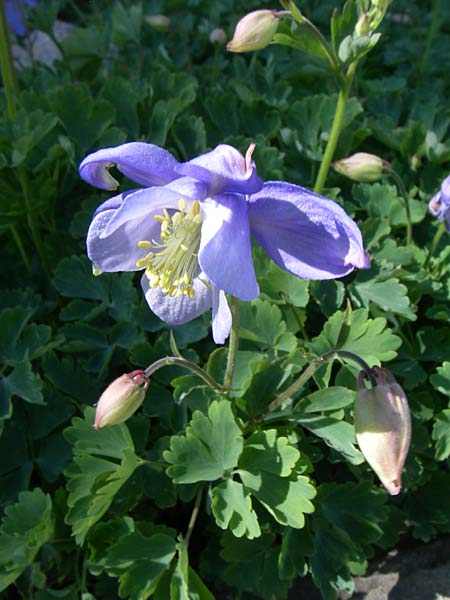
(121, 399)
(217, 36)
(363, 167)
(254, 31)
(383, 427)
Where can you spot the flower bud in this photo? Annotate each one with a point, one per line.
(158, 22)
(362, 27)
(362, 167)
(121, 399)
(439, 205)
(217, 37)
(254, 31)
(383, 427)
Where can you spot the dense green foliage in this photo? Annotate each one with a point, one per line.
(104, 514)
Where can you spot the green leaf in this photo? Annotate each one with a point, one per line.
(179, 585)
(390, 295)
(12, 323)
(27, 525)
(103, 461)
(368, 338)
(337, 434)
(268, 470)
(232, 509)
(332, 398)
(311, 120)
(279, 284)
(140, 561)
(260, 322)
(343, 23)
(383, 201)
(301, 38)
(353, 47)
(210, 446)
(34, 127)
(441, 434)
(441, 381)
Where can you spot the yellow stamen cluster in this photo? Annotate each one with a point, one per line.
(172, 262)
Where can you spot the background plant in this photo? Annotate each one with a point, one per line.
(115, 513)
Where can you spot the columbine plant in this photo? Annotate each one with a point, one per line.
(190, 229)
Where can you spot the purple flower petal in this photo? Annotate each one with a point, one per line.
(178, 310)
(14, 16)
(118, 251)
(146, 164)
(224, 169)
(305, 234)
(225, 253)
(221, 316)
(141, 206)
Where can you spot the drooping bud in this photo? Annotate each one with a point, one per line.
(363, 167)
(254, 31)
(158, 22)
(121, 399)
(217, 37)
(383, 427)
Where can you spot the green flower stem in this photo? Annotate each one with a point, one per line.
(312, 368)
(194, 516)
(187, 364)
(233, 345)
(11, 90)
(437, 236)
(405, 196)
(335, 128)
(6, 63)
(431, 33)
(16, 235)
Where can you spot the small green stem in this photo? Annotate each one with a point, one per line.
(194, 516)
(431, 33)
(233, 345)
(335, 128)
(405, 196)
(6, 63)
(11, 90)
(437, 236)
(312, 368)
(16, 235)
(187, 364)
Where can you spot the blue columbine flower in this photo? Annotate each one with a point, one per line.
(439, 205)
(190, 229)
(14, 14)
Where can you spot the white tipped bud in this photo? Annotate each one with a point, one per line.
(254, 31)
(363, 167)
(383, 427)
(121, 399)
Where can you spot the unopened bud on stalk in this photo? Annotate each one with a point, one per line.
(363, 167)
(383, 427)
(121, 399)
(158, 22)
(254, 31)
(218, 37)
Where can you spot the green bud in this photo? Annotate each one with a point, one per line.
(363, 167)
(383, 427)
(158, 22)
(121, 399)
(362, 27)
(254, 31)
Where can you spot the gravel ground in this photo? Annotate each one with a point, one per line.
(412, 572)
